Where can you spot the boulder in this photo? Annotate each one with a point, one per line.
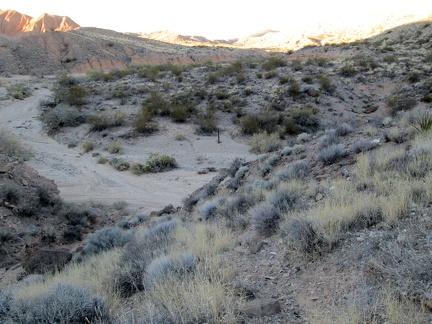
(261, 307)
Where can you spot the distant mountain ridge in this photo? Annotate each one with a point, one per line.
(13, 23)
(298, 38)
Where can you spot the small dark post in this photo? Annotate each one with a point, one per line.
(219, 141)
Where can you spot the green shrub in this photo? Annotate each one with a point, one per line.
(19, 91)
(423, 124)
(10, 192)
(98, 123)
(348, 70)
(207, 121)
(297, 65)
(12, 147)
(142, 123)
(389, 59)
(159, 163)
(270, 74)
(70, 94)
(114, 147)
(118, 119)
(88, 146)
(273, 62)
(120, 164)
(265, 142)
(61, 116)
(294, 89)
(268, 120)
(156, 105)
(428, 57)
(400, 103)
(326, 84)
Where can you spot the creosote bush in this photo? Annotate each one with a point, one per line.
(265, 142)
(155, 163)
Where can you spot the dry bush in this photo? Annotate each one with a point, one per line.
(265, 219)
(332, 154)
(265, 142)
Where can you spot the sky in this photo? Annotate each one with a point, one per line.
(220, 19)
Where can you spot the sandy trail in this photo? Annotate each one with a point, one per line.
(80, 178)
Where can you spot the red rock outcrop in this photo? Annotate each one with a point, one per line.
(13, 23)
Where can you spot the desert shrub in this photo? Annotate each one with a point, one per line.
(265, 142)
(363, 146)
(297, 65)
(326, 84)
(330, 138)
(266, 121)
(202, 193)
(159, 163)
(428, 57)
(168, 267)
(70, 94)
(106, 239)
(348, 70)
(98, 123)
(156, 105)
(118, 119)
(88, 146)
(273, 62)
(269, 165)
(239, 175)
(142, 123)
(285, 198)
(72, 234)
(303, 137)
(235, 208)
(62, 303)
(151, 72)
(10, 192)
(332, 154)
(343, 129)
(301, 120)
(320, 61)
(400, 103)
(265, 219)
(19, 91)
(302, 236)
(270, 74)
(208, 209)
(46, 198)
(114, 147)
(287, 150)
(389, 59)
(147, 244)
(180, 114)
(207, 122)
(61, 116)
(102, 160)
(423, 123)
(294, 89)
(307, 79)
(180, 137)
(120, 164)
(414, 77)
(297, 170)
(235, 165)
(12, 147)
